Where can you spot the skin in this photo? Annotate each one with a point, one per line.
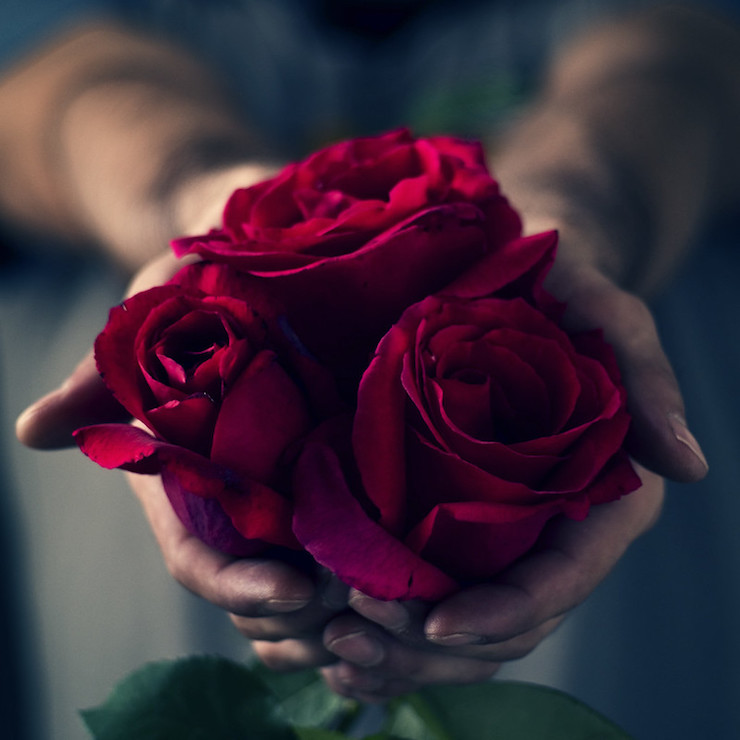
(612, 113)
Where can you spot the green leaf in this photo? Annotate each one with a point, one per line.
(199, 698)
(315, 733)
(409, 718)
(509, 711)
(306, 700)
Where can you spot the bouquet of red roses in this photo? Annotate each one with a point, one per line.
(365, 367)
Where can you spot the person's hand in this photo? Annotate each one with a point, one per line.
(268, 599)
(389, 648)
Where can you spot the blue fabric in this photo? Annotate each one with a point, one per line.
(24, 24)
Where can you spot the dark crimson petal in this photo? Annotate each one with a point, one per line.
(500, 459)
(524, 261)
(435, 477)
(261, 416)
(321, 204)
(206, 519)
(273, 207)
(240, 204)
(553, 364)
(258, 512)
(119, 446)
(190, 244)
(372, 147)
(519, 402)
(330, 523)
(443, 240)
(617, 479)
(470, 153)
(474, 541)
(259, 256)
(114, 347)
(159, 393)
(588, 457)
(188, 423)
(245, 296)
(130, 448)
(377, 178)
(434, 342)
(363, 220)
(466, 405)
(231, 363)
(379, 430)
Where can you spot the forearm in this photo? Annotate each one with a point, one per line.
(112, 138)
(633, 144)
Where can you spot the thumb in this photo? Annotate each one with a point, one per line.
(81, 400)
(659, 436)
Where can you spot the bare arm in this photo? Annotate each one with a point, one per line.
(111, 138)
(632, 145)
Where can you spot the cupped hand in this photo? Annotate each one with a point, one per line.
(389, 648)
(269, 600)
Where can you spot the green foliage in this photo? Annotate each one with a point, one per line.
(210, 698)
(509, 711)
(199, 698)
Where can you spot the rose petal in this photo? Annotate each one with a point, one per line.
(330, 523)
(521, 262)
(379, 430)
(114, 347)
(130, 448)
(258, 512)
(260, 417)
(206, 519)
(474, 541)
(188, 423)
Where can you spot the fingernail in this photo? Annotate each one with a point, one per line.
(286, 605)
(681, 432)
(358, 648)
(456, 639)
(390, 614)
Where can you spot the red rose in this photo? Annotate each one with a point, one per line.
(223, 397)
(356, 232)
(478, 420)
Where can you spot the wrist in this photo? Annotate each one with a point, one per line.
(195, 204)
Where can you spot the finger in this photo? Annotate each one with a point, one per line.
(374, 661)
(404, 620)
(571, 559)
(328, 601)
(158, 271)
(81, 400)
(414, 636)
(294, 654)
(659, 437)
(246, 587)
